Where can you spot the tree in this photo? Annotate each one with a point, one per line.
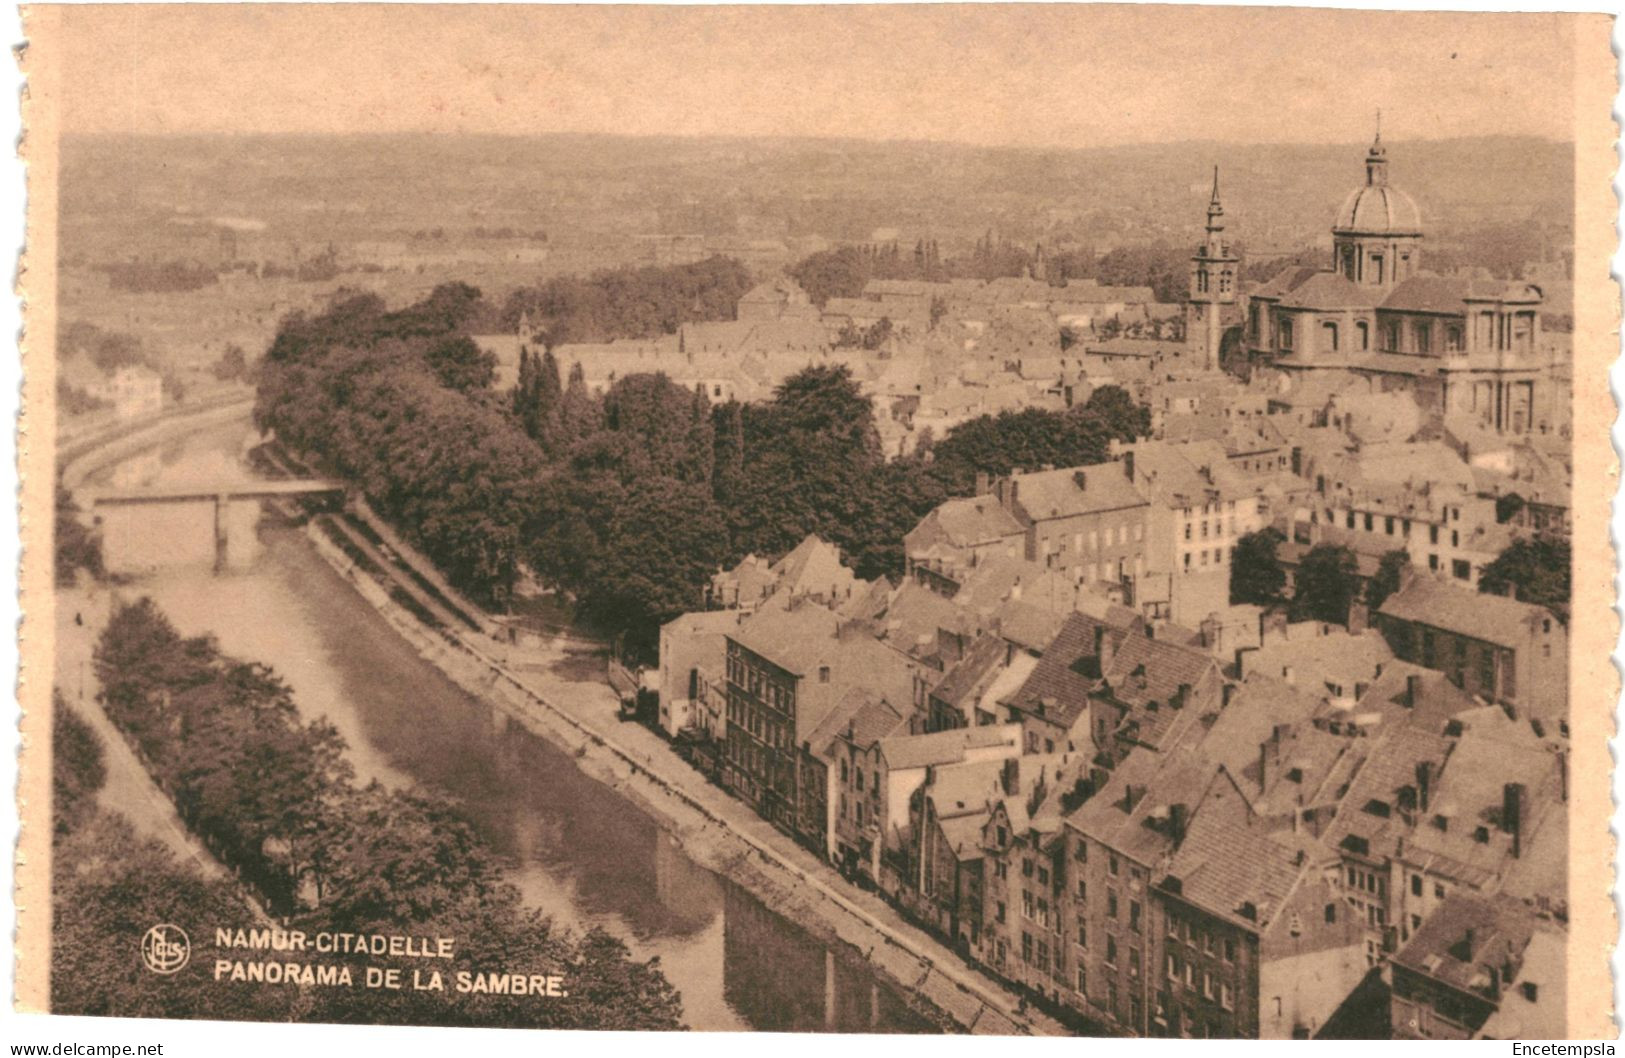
(462, 365)
(1118, 414)
(1256, 576)
(78, 547)
(1328, 582)
(1507, 507)
(663, 543)
(1533, 570)
(78, 766)
(1390, 577)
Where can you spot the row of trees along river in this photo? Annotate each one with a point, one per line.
(254, 691)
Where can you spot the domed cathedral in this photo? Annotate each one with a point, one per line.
(1465, 347)
(1214, 270)
(1377, 240)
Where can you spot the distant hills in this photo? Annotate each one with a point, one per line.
(1275, 194)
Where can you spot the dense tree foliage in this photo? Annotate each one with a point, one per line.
(629, 500)
(78, 547)
(1256, 575)
(1534, 570)
(273, 797)
(78, 766)
(629, 302)
(395, 402)
(1391, 571)
(1327, 584)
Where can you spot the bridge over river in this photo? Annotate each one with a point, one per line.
(155, 527)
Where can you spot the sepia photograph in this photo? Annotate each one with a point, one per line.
(1019, 520)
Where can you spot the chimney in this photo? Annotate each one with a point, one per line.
(1469, 941)
(1413, 690)
(1424, 783)
(1128, 464)
(1081, 479)
(1512, 815)
(1010, 777)
(984, 483)
(1181, 694)
(1178, 820)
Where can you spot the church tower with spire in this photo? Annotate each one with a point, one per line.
(1213, 287)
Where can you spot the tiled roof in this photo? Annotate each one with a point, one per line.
(1492, 618)
(1329, 290)
(1224, 865)
(797, 639)
(944, 747)
(1057, 685)
(1145, 676)
(1258, 706)
(861, 716)
(1285, 281)
(1448, 294)
(1500, 929)
(1143, 833)
(975, 520)
(968, 676)
(1076, 490)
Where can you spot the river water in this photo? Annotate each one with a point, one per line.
(579, 850)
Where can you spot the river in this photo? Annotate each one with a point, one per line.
(579, 850)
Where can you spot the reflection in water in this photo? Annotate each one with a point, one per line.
(580, 851)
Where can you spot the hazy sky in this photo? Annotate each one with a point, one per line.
(1032, 75)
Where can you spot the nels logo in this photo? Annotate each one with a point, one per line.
(165, 948)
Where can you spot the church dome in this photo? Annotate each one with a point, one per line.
(1373, 210)
(1376, 208)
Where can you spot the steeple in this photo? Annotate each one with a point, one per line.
(1213, 287)
(1376, 160)
(1215, 208)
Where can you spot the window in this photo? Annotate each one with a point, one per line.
(1424, 337)
(1416, 885)
(1329, 329)
(1362, 334)
(998, 911)
(1111, 903)
(1111, 950)
(1207, 985)
(1134, 962)
(1083, 932)
(1331, 913)
(823, 674)
(1229, 949)
(1134, 915)
(1173, 968)
(1111, 864)
(1083, 979)
(1227, 1000)
(1286, 332)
